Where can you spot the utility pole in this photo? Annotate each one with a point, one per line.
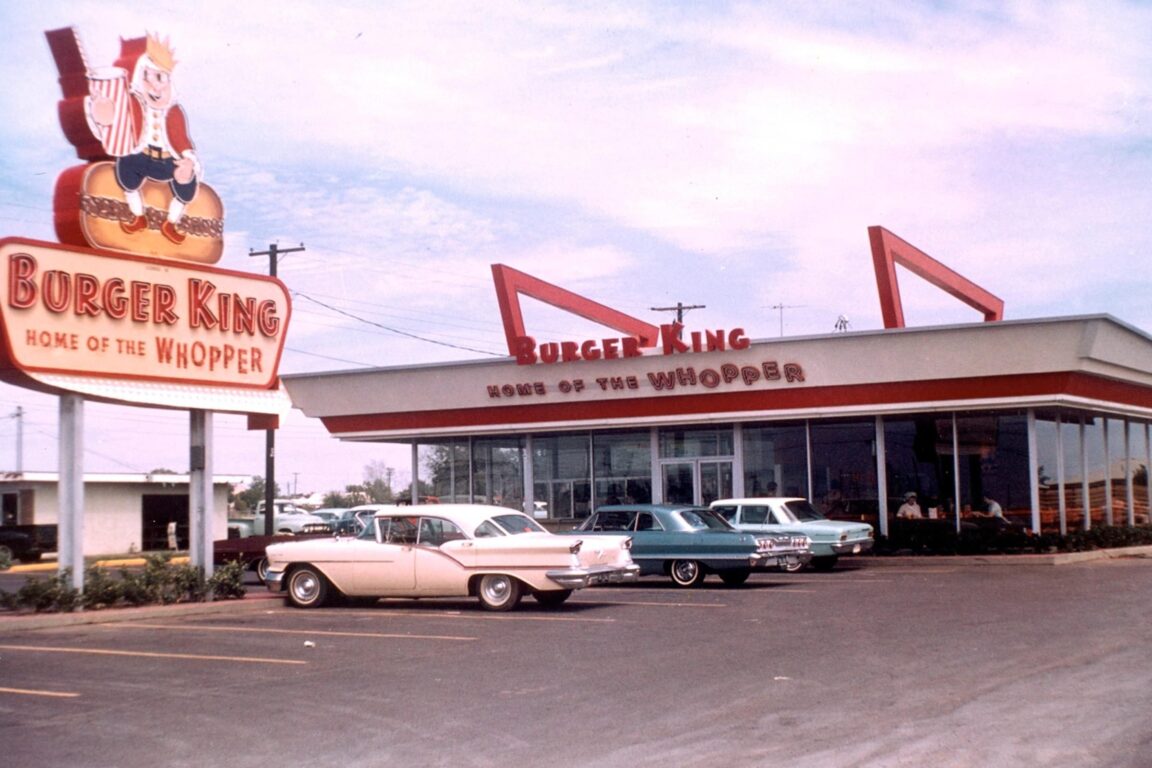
(273, 254)
(680, 309)
(19, 416)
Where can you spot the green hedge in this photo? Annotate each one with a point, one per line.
(160, 582)
(991, 540)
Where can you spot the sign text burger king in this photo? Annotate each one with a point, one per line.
(76, 311)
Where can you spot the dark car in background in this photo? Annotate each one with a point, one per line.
(27, 543)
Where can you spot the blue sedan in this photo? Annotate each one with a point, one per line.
(687, 543)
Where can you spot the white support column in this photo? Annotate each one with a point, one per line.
(738, 460)
(1129, 479)
(1108, 506)
(1061, 505)
(657, 471)
(529, 479)
(414, 473)
(70, 543)
(808, 459)
(956, 469)
(1033, 471)
(881, 477)
(200, 512)
(1085, 490)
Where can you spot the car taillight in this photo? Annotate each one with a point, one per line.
(575, 548)
(627, 544)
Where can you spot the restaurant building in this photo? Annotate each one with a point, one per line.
(126, 512)
(1049, 418)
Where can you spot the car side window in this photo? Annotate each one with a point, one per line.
(613, 520)
(726, 511)
(757, 516)
(487, 530)
(434, 531)
(646, 521)
(399, 530)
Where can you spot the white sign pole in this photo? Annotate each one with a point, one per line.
(70, 544)
(200, 492)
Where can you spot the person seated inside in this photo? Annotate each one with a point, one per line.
(910, 509)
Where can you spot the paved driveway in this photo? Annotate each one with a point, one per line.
(929, 664)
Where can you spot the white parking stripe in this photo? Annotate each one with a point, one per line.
(29, 692)
(316, 632)
(147, 654)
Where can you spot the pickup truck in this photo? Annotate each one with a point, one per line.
(249, 550)
(27, 543)
(288, 519)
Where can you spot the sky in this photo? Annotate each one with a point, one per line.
(724, 155)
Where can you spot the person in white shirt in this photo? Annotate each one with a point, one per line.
(910, 509)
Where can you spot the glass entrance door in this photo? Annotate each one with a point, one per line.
(697, 481)
(715, 481)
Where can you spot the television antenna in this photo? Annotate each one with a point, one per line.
(783, 307)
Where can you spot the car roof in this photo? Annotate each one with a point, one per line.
(647, 507)
(465, 514)
(758, 500)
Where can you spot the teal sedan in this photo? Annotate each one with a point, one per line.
(687, 543)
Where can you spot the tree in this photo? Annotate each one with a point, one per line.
(251, 497)
(378, 482)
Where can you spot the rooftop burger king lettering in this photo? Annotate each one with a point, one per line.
(672, 341)
(67, 312)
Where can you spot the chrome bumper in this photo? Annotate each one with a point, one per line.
(771, 560)
(578, 578)
(852, 547)
(274, 581)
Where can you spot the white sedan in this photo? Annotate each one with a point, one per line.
(448, 550)
(787, 514)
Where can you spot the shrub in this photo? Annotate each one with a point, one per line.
(162, 582)
(54, 594)
(5, 559)
(100, 589)
(227, 582)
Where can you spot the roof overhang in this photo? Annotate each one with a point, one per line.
(1093, 361)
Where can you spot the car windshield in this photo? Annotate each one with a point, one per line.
(703, 519)
(517, 523)
(802, 512)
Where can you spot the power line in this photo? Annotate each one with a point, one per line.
(397, 331)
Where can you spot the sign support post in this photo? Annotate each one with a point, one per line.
(200, 492)
(70, 545)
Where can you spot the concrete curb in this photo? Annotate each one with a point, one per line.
(49, 565)
(1053, 558)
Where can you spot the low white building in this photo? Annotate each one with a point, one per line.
(123, 512)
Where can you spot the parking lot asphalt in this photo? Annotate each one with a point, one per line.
(927, 661)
